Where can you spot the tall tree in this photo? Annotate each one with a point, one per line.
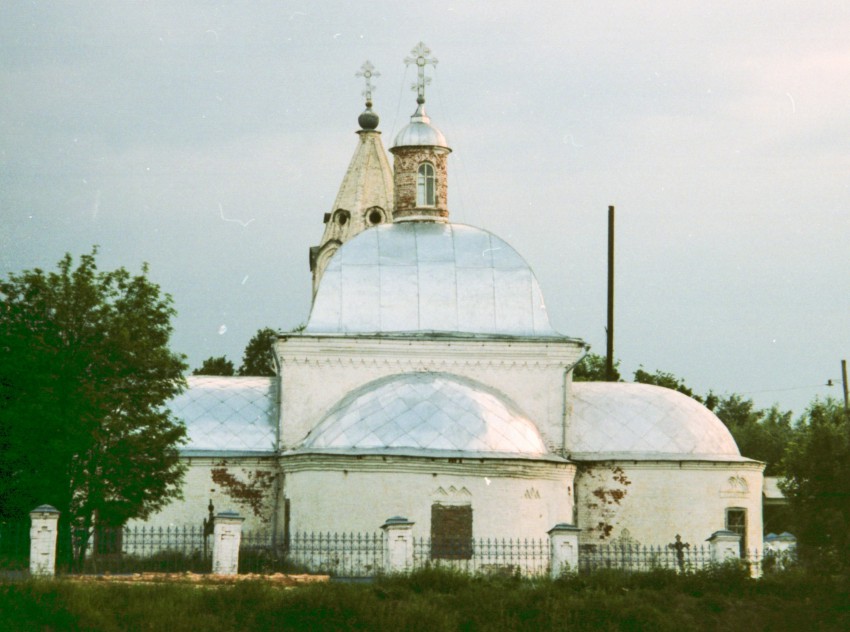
(84, 371)
(760, 434)
(668, 380)
(258, 358)
(817, 483)
(216, 366)
(592, 369)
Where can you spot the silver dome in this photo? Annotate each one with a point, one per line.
(420, 133)
(228, 415)
(424, 413)
(426, 276)
(642, 421)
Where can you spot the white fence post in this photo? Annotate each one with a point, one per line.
(725, 546)
(563, 543)
(227, 535)
(398, 545)
(43, 534)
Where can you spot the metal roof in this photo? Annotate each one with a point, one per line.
(419, 132)
(426, 413)
(429, 276)
(640, 421)
(225, 415)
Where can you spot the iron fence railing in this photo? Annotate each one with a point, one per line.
(633, 557)
(487, 556)
(189, 548)
(135, 549)
(678, 556)
(337, 554)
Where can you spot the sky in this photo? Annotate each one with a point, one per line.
(208, 139)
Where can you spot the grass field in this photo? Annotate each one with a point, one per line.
(429, 600)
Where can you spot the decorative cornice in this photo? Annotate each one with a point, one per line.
(665, 464)
(493, 468)
(234, 460)
(414, 351)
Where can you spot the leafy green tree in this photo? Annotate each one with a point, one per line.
(817, 483)
(592, 369)
(668, 380)
(662, 378)
(760, 434)
(84, 371)
(215, 366)
(258, 358)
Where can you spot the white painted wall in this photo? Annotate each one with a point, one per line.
(199, 487)
(345, 497)
(663, 499)
(317, 372)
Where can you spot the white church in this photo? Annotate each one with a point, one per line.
(429, 384)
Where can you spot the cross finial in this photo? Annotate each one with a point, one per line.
(421, 56)
(367, 71)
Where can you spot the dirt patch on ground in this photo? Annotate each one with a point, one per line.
(279, 579)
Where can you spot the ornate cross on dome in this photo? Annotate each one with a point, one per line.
(367, 71)
(421, 56)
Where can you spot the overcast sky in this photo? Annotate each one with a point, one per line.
(209, 138)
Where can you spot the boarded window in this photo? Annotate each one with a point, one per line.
(451, 532)
(736, 522)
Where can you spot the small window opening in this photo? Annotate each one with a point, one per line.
(425, 185)
(451, 532)
(736, 522)
(341, 219)
(375, 217)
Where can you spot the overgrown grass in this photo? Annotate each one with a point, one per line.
(430, 600)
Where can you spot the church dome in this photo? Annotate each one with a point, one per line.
(429, 277)
(419, 132)
(425, 413)
(616, 420)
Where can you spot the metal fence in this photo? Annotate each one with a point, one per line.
(336, 554)
(632, 557)
(135, 549)
(483, 556)
(189, 548)
(678, 556)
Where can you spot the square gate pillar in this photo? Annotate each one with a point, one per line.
(725, 546)
(227, 535)
(563, 543)
(43, 533)
(398, 545)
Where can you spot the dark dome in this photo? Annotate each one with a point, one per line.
(368, 119)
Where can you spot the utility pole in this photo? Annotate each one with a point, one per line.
(609, 358)
(844, 381)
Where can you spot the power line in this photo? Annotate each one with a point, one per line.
(792, 388)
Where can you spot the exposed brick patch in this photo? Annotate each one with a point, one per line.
(606, 499)
(253, 493)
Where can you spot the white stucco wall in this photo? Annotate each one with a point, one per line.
(656, 500)
(509, 499)
(246, 485)
(319, 371)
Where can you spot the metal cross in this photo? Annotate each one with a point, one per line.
(367, 71)
(679, 547)
(421, 56)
